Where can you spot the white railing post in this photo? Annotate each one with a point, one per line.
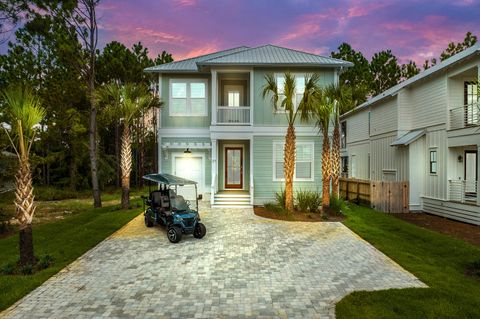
(214, 172)
(462, 191)
(478, 170)
(251, 97)
(214, 97)
(252, 182)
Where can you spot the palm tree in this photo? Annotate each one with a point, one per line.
(283, 98)
(126, 103)
(323, 111)
(23, 109)
(341, 96)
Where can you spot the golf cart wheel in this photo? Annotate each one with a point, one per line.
(200, 231)
(174, 234)
(148, 219)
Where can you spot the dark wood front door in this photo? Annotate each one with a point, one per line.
(233, 167)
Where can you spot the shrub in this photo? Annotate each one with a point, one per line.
(53, 193)
(8, 269)
(308, 201)
(5, 218)
(44, 262)
(275, 208)
(337, 205)
(280, 198)
(26, 270)
(475, 268)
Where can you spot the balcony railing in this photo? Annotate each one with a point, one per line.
(233, 115)
(465, 116)
(463, 191)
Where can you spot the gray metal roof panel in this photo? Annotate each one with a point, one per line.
(190, 65)
(408, 138)
(424, 74)
(273, 55)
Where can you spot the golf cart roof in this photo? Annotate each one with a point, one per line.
(168, 179)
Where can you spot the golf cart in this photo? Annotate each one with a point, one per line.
(167, 208)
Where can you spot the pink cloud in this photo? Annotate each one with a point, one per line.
(185, 3)
(359, 9)
(209, 48)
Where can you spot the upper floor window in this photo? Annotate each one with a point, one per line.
(299, 89)
(303, 161)
(433, 161)
(470, 92)
(343, 134)
(188, 97)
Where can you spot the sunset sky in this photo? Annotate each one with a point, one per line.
(412, 29)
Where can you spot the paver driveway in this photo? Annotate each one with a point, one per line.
(246, 266)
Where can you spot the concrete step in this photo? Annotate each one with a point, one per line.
(227, 195)
(231, 203)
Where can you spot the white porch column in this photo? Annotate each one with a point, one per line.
(159, 125)
(252, 186)
(214, 98)
(478, 170)
(214, 172)
(251, 98)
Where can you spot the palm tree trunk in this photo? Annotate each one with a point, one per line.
(335, 157)
(25, 209)
(126, 165)
(326, 170)
(289, 166)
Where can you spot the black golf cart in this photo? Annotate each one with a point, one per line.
(167, 208)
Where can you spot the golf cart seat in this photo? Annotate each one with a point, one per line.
(160, 200)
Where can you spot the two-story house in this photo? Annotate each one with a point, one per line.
(217, 129)
(425, 130)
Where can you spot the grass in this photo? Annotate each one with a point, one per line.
(438, 260)
(65, 240)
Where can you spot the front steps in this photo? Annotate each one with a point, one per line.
(231, 200)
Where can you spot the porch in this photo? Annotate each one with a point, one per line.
(232, 97)
(463, 167)
(463, 98)
(231, 173)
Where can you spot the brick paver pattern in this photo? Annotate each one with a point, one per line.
(245, 267)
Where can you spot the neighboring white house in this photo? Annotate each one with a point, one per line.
(425, 130)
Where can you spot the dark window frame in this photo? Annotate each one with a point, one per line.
(343, 134)
(433, 161)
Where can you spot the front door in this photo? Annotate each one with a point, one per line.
(471, 175)
(233, 167)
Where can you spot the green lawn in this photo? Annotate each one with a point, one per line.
(65, 240)
(438, 260)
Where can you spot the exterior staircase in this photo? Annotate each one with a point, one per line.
(232, 199)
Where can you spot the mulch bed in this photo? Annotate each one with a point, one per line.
(467, 232)
(298, 216)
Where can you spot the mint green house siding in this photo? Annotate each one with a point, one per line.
(263, 172)
(237, 115)
(181, 121)
(263, 112)
(166, 156)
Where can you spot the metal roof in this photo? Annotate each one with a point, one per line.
(424, 74)
(168, 179)
(408, 138)
(267, 55)
(274, 55)
(190, 65)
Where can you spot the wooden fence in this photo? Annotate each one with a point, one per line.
(385, 196)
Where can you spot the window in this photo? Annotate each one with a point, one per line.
(344, 163)
(471, 103)
(299, 89)
(343, 134)
(233, 98)
(188, 98)
(433, 161)
(303, 161)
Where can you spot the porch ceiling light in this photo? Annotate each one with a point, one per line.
(187, 151)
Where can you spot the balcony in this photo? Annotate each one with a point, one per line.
(465, 116)
(233, 115)
(463, 191)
